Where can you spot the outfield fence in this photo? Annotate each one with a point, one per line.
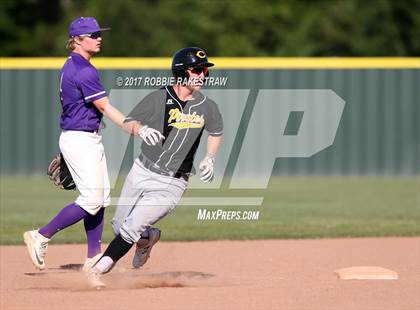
(377, 134)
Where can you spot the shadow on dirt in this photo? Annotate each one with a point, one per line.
(69, 277)
(70, 267)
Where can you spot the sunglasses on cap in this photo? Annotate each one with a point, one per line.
(199, 70)
(93, 35)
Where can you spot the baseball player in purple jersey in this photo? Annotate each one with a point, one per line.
(170, 121)
(84, 101)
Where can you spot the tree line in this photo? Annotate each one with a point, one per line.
(158, 28)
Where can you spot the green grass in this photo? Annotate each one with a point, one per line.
(295, 207)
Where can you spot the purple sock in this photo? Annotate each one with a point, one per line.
(94, 225)
(68, 216)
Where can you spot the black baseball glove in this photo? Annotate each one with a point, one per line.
(59, 173)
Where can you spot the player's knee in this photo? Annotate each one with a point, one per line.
(95, 200)
(90, 204)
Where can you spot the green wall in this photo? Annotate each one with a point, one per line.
(378, 133)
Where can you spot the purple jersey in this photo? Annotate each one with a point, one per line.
(79, 87)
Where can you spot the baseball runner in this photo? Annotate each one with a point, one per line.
(170, 121)
(84, 101)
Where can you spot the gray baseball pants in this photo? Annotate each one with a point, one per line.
(146, 197)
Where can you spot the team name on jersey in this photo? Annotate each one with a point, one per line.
(180, 120)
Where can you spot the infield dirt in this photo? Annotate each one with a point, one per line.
(267, 274)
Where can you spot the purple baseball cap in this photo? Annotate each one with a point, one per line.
(84, 25)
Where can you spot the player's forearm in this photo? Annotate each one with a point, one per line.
(114, 115)
(213, 145)
(131, 126)
(108, 110)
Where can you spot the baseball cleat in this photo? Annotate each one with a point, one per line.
(90, 262)
(37, 246)
(94, 279)
(144, 247)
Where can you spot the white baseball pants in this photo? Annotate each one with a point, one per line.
(146, 197)
(84, 155)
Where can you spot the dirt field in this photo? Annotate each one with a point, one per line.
(272, 274)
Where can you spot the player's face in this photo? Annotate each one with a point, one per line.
(91, 43)
(197, 77)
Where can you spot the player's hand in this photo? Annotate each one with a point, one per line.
(150, 136)
(207, 169)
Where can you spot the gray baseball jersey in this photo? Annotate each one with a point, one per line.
(147, 196)
(181, 122)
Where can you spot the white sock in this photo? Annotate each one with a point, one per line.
(104, 264)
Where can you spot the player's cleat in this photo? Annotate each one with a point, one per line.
(144, 247)
(37, 246)
(94, 279)
(90, 262)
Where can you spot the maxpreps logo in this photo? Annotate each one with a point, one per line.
(303, 122)
(180, 120)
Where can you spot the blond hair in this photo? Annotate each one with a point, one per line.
(71, 42)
